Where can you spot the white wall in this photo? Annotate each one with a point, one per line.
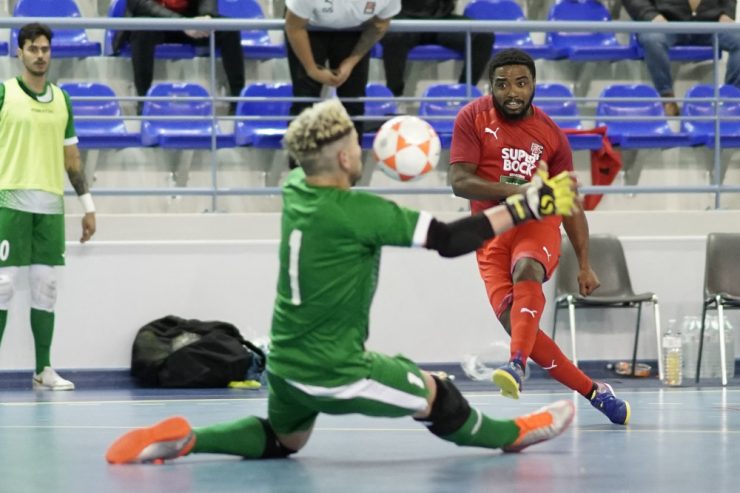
(432, 309)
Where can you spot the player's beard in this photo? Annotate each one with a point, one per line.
(37, 72)
(524, 111)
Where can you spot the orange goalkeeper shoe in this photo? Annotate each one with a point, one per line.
(165, 440)
(543, 424)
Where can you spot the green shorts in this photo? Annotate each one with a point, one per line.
(394, 388)
(27, 238)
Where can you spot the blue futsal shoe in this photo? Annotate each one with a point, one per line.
(604, 399)
(509, 379)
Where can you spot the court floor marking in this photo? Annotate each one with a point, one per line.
(472, 396)
(685, 431)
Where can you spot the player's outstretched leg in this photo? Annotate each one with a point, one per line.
(250, 437)
(452, 419)
(543, 424)
(167, 439)
(605, 400)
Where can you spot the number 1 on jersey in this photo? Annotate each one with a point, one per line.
(294, 250)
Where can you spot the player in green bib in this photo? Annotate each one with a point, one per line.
(37, 145)
(330, 248)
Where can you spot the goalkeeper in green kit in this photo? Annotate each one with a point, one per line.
(330, 249)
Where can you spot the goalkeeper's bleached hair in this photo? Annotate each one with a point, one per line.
(315, 128)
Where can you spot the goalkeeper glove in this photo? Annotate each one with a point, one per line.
(545, 196)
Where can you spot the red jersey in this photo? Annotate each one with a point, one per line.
(507, 150)
(180, 6)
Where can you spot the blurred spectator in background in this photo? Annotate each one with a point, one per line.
(396, 45)
(337, 54)
(143, 43)
(656, 45)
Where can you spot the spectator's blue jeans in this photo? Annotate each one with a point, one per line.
(656, 47)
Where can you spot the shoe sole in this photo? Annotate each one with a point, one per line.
(507, 383)
(41, 386)
(127, 448)
(566, 425)
(629, 414)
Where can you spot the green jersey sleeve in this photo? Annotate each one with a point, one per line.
(69, 131)
(2, 94)
(378, 221)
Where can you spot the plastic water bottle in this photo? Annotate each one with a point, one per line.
(672, 354)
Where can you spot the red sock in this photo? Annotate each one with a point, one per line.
(526, 311)
(549, 356)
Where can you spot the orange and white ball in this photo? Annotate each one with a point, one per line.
(406, 148)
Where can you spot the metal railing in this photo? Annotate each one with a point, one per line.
(468, 27)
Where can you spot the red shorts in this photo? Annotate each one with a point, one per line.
(538, 240)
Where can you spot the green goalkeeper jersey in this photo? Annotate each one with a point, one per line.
(330, 248)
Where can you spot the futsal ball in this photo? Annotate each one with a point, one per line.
(406, 148)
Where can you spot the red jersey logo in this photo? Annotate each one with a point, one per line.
(369, 8)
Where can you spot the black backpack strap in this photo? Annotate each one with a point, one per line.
(257, 351)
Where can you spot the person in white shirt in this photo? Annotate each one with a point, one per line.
(329, 43)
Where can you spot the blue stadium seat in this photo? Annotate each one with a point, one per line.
(582, 46)
(170, 51)
(680, 53)
(433, 53)
(99, 134)
(67, 43)
(637, 134)
(377, 108)
(442, 107)
(702, 131)
(423, 53)
(565, 106)
(256, 44)
(508, 10)
(263, 133)
(182, 133)
(3, 48)
(688, 53)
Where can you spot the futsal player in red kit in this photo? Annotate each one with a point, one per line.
(497, 143)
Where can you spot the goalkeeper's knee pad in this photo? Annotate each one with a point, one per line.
(274, 449)
(450, 410)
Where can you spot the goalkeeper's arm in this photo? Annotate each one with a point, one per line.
(544, 197)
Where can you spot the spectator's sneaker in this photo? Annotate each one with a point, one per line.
(671, 109)
(166, 440)
(541, 425)
(509, 379)
(50, 380)
(603, 399)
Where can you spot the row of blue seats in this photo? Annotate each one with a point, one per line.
(74, 43)
(441, 103)
(256, 44)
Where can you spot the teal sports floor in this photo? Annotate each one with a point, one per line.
(679, 440)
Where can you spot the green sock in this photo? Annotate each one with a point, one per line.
(3, 320)
(244, 437)
(42, 326)
(481, 431)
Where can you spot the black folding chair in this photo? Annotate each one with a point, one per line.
(721, 288)
(607, 259)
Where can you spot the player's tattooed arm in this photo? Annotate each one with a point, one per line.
(372, 31)
(73, 165)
